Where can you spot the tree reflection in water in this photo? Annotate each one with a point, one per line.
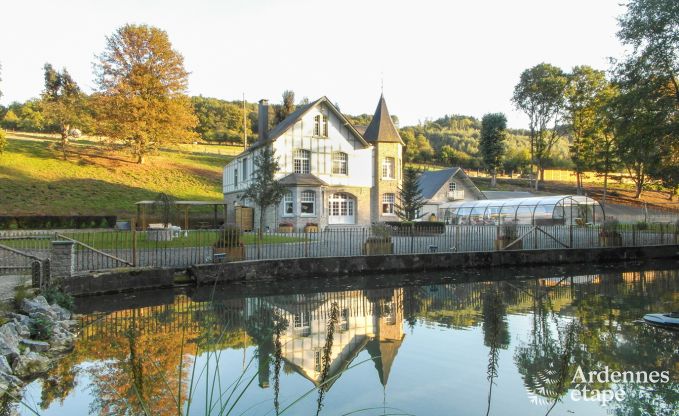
(138, 360)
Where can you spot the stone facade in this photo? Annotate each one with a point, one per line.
(386, 185)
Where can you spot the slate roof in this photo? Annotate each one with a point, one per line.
(431, 181)
(381, 127)
(301, 179)
(296, 115)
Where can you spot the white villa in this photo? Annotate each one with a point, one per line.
(335, 173)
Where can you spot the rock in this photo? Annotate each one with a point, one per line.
(36, 346)
(4, 366)
(62, 314)
(7, 381)
(22, 323)
(9, 341)
(47, 314)
(38, 303)
(30, 365)
(61, 340)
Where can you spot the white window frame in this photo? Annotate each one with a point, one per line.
(301, 161)
(452, 186)
(340, 163)
(245, 169)
(388, 202)
(235, 176)
(307, 197)
(317, 125)
(324, 120)
(389, 168)
(288, 201)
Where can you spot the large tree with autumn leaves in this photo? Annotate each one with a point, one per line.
(142, 99)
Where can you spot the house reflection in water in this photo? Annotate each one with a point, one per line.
(369, 320)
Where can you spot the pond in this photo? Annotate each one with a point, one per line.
(516, 341)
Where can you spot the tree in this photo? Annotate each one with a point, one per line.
(493, 133)
(410, 199)
(142, 83)
(649, 79)
(540, 94)
(287, 107)
(3, 141)
(264, 190)
(63, 103)
(582, 93)
(454, 157)
(425, 153)
(602, 130)
(637, 131)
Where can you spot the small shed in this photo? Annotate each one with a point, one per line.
(181, 212)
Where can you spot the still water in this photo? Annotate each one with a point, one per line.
(509, 342)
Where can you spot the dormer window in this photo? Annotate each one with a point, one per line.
(302, 161)
(321, 125)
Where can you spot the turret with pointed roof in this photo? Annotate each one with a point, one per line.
(387, 163)
(381, 127)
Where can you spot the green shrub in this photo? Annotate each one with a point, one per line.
(20, 294)
(642, 225)
(54, 295)
(41, 328)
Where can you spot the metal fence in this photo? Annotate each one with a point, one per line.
(107, 249)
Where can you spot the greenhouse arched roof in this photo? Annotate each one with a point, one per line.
(545, 210)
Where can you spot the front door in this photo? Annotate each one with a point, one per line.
(341, 209)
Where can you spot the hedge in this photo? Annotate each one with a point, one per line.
(45, 222)
(416, 228)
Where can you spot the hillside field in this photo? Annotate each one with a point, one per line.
(95, 180)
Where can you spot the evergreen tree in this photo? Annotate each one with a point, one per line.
(410, 199)
(265, 191)
(493, 133)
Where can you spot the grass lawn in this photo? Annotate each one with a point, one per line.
(35, 179)
(123, 240)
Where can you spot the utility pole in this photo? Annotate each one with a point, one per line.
(245, 125)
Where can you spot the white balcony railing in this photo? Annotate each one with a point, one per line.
(455, 195)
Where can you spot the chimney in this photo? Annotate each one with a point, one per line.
(263, 119)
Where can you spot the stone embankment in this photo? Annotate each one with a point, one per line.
(32, 339)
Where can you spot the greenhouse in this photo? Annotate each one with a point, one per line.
(539, 210)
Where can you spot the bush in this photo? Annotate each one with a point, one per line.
(406, 228)
(642, 225)
(20, 294)
(36, 222)
(41, 328)
(54, 295)
(610, 228)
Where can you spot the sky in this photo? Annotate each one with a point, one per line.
(432, 57)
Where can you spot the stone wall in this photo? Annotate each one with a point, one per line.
(339, 266)
(360, 266)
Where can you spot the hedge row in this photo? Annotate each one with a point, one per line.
(45, 222)
(416, 228)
